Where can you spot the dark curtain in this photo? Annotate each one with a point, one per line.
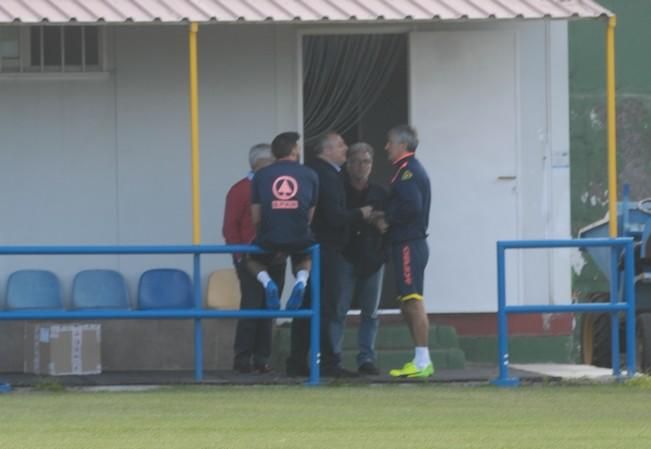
(343, 77)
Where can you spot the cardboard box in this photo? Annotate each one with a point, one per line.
(63, 349)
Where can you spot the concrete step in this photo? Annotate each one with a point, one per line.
(398, 337)
(452, 358)
(389, 337)
(393, 346)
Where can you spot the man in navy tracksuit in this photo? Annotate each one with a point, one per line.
(283, 198)
(407, 218)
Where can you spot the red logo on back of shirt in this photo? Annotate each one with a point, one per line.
(284, 189)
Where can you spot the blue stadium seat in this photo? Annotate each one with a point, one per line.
(33, 289)
(99, 289)
(165, 288)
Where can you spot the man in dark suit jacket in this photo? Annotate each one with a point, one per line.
(331, 227)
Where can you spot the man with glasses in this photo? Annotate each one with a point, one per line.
(362, 269)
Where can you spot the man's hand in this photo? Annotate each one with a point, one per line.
(366, 211)
(377, 219)
(381, 225)
(375, 216)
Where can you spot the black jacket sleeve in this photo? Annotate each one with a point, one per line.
(332, 203)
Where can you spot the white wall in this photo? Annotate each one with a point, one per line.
(107, 161)
(57, 170)
(511, 119)
(545, 176)
(463, 93)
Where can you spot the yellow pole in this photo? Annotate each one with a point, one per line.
(194, 135)
(612, 136)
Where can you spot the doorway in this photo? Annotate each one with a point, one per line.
(357, 85)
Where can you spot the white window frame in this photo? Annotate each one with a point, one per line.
(28, 71)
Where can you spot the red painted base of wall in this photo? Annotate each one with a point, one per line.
(485, 324)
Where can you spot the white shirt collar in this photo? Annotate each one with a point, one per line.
(336, 167)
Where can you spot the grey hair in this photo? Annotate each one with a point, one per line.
(361, 147)
(323, 141)
(259, 151)
(405, 134)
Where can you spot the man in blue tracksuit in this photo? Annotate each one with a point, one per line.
(283, 198)
(406, 218)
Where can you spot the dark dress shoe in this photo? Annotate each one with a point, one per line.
(262, 368)
(242, 368)
(368, 369)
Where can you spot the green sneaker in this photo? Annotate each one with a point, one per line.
(410, 370)
(428, 371)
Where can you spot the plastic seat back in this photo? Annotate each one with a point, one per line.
(33, 289)
(223, 290)
(99, 289)
(165, 288)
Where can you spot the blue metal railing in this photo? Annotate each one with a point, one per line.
(614, 307)
(197, 313)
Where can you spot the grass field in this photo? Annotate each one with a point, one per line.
(392, 417)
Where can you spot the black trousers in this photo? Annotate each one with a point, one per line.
(253, 336)
(331, 290)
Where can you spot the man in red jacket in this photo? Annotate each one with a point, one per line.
(252, 336)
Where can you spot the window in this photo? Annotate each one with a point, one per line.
(9, 53)
(51, 49)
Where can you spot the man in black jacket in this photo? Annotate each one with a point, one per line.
(331, 227)
(363, 270)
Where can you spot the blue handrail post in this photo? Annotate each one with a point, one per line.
(623, 302)
(503, 379)
(315, 323)
(629, 289)
(614, 314)
(198, 332)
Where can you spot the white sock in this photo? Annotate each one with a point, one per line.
(302, 276)
(421, 357)
(264, 278)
